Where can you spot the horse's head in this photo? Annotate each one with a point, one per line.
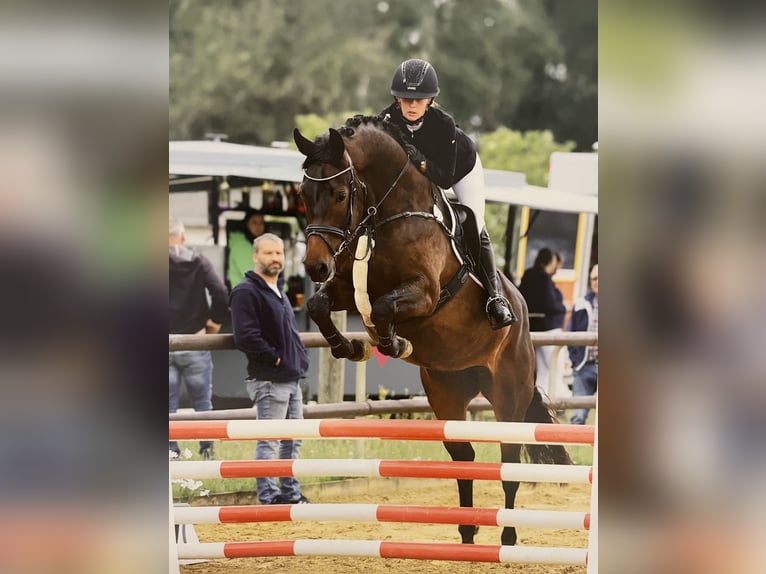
(328, 191)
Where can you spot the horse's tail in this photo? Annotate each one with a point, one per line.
(537, 412)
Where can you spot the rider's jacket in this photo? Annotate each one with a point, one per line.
(450, 153)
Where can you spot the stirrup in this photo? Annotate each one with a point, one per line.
(505, 317)
(505, 301)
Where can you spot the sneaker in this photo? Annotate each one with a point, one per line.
(280, 499)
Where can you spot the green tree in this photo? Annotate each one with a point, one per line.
(562, 94)
(526, 152)
(247, 68)
(486, 53)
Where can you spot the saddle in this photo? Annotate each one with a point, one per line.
(459, 223)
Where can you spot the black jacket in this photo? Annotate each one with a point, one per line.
(450, 153)
(265, 330)
(190, 275)
(542, 296)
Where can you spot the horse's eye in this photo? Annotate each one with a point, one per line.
(340, 195)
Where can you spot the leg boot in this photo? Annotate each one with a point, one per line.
(498, 309)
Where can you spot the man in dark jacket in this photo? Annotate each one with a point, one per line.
(585, 359)
(192, 278)
(546, 302)
(265, 330)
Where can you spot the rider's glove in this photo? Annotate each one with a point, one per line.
(416, 156)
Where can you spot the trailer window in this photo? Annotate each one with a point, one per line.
(556, 230)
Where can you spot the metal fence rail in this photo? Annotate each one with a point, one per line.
(313, 340)
(360, 409)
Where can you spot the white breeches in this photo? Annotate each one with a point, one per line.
(470, 192)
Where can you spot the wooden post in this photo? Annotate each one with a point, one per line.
(331, 370)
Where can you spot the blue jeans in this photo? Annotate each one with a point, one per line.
(277, 401)
(195, 370)
(585, 383)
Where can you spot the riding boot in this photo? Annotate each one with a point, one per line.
(498, 308)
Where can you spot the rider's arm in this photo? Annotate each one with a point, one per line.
(439, 144)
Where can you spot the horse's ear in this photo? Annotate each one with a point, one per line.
(337, 147)
(306, 146)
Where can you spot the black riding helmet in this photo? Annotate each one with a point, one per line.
(415, 79)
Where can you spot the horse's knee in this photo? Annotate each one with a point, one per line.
(382, 312)
(318, 305)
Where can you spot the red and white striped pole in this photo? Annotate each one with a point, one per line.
(376, 468)
(526, 433)
(385, 549)
(382, 513)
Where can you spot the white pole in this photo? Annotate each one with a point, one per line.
(553, 372)
(593, 533)
(173, 567)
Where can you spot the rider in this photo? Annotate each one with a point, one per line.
(447, 156)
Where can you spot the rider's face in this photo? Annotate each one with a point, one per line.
(413, 109)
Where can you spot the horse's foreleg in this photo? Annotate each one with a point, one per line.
(389, 343)
(319, 307)
(401, 304)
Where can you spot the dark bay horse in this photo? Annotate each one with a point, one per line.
(372, 222)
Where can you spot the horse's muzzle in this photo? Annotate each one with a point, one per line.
(319, 270)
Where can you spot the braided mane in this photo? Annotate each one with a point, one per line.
(348, 129)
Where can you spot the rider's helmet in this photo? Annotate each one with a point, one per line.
(415, 79)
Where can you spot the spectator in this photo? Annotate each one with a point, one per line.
(239, 245)
(265, 330)
(546, 308)
(585, 359)
(192, 279)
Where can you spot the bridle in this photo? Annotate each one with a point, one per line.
(319, 229)
(367, 223)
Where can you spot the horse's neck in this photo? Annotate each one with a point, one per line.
(412, 190)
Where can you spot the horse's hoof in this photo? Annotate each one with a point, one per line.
(362, 350)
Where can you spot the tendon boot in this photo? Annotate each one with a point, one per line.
(498, 308)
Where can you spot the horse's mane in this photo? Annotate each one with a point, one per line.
(348, 129)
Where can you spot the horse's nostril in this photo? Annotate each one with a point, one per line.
(318, 271)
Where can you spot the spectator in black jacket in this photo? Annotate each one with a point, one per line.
(265, 330)
(192, 280)
(545, 303)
